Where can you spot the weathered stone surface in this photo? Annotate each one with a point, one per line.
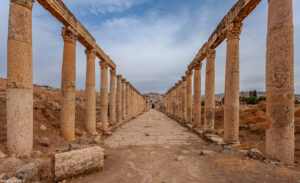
(104, 95)
(15, 180)
(3, 176)
(207, 152)
(255, 154)
(76, 163)
(44, 141)
(90, 94)
(28, 172)
(280, 138)
(43, 128)
(209, 108)
(197, 97)
(232, 85)
(68, 84)
(11, 164)
(2, 155)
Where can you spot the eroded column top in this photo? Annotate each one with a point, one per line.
(189, 73)
(123, 80)
(183, 78)
(90, 53)
(113, 72)
(69, 34)
(234, 30)
(198, 66)
(27, 3)
(103, 65)
(211, 53)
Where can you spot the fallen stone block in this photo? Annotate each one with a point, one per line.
(28, 172)
(214, 138)
(75, 163)
(255, 154)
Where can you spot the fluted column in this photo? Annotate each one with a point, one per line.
(189, 96)
(180, 99)
(209, 109)
(184, 106)
(112, 97)
(104, 95)
(232, 79)
(19, 78)
(119, 98)
(197, 96)
(176, 100)
(90, 92)
(127, 101)
(68, 84)
(123, 98)
(280, 140)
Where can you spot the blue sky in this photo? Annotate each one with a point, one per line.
(151, 41)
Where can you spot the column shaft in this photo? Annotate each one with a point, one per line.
(68, 84)
(19, 78)
(184, 106)
(231, 105)
(280, 82)
(197, 96)
(104, 95)
(123, 99)
(209, 110)
(119, 98)
(90, 93)
(112, 97)
(189, 96)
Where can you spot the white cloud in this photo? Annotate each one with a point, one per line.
(104, 6)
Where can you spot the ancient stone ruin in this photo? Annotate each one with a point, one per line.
(279, 79)
(122, 102)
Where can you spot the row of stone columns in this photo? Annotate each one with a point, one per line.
(279, 86)
(124, 104)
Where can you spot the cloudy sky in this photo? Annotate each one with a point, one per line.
(151, 41)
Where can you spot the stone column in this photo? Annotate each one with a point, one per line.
(197, 96)
(104, 95)
(127, 101)
(119, 98)
(189, 96)
(209, 109)
(123, 98)
(68, 84)
(180, 99)
(90, 92)
(231, 104)
(19, 78)
(176, 100)
(280, 82)
(112, 97)
(184, 107)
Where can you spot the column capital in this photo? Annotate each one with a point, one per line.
(26, 3)
(183, 78)
(112, 72)
(90, 53)
(123, 80)
(234, 30)
(198, 66)
(179, 82)
(119, 76)
(103, 65)
(69, 34)
(127, 83)
(189, 73)
(211, 53)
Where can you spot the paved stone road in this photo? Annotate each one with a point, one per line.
(155, 149)
(152, 128)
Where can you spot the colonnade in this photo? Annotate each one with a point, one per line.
(124, 103)
(279, 84)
